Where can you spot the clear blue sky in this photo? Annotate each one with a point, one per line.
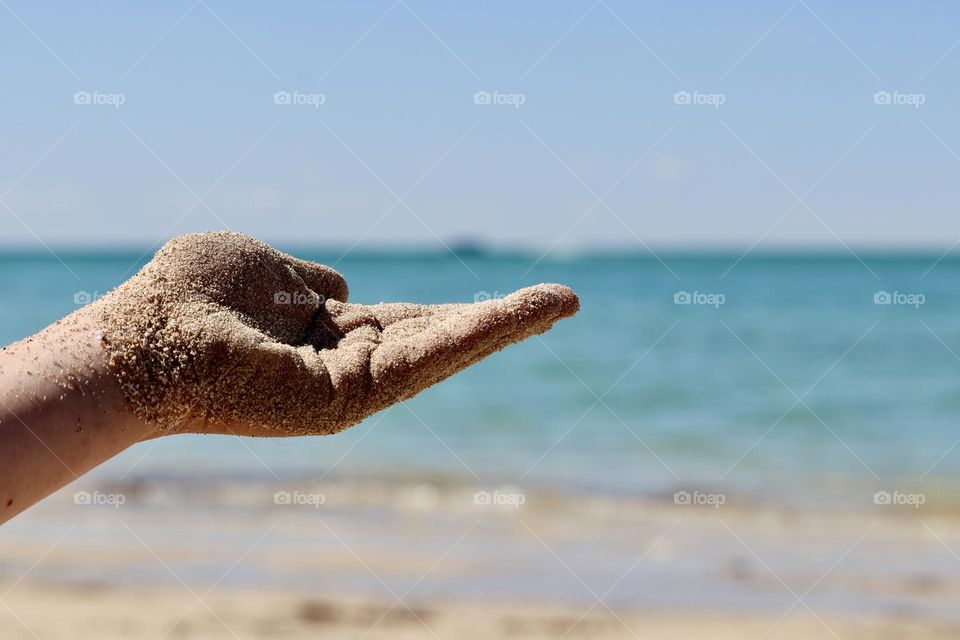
(397, 79)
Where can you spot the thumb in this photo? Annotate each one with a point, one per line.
(320, 278)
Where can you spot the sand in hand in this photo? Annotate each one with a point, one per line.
(222, 332)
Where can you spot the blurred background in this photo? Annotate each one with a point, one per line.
(748, 431)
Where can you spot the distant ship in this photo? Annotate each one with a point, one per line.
(465, 247)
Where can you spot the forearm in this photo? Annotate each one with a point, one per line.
(61, 412)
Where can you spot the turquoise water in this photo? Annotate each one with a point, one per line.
(636, 395)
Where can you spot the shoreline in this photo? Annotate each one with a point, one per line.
(416, 489)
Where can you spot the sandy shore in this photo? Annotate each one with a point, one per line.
(135, 568)
(143, 612)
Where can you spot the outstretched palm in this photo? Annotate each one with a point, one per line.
(222, 333)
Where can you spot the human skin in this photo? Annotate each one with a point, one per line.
(61, 412)
(198, 343)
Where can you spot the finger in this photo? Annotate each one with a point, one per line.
(421, 350)
(388, 313)
(345, 317)
(320, 278)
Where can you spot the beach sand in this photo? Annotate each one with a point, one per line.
(94, 612)
(183, 559)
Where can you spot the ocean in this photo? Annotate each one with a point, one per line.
(781, 378)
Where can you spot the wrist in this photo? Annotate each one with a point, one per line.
(62, 373)
(62, 412)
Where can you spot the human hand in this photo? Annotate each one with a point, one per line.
(220, 333)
